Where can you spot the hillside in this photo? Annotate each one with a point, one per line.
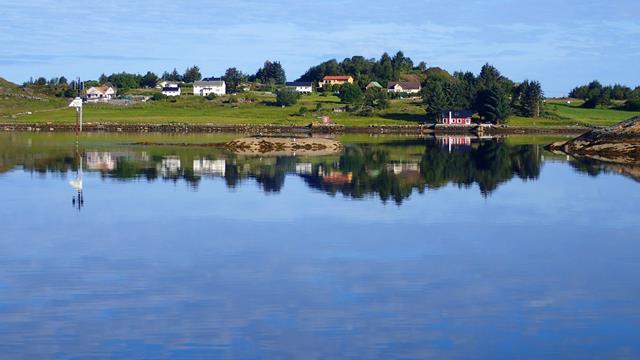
(16, 100)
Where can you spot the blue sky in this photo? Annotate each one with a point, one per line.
(560, 43)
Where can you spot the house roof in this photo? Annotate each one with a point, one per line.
(374, 84)
(100, 89)
(457, 114)
(209, 83)
(405, 85)
(338, 77)
(299, 83)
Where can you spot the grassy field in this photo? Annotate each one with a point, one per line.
(262, 110)
(199, 110)
(563, 114)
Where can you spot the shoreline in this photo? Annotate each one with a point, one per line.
(294, 129)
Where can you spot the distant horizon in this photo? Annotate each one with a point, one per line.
(560, 45)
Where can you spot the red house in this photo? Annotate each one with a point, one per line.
(456, 117)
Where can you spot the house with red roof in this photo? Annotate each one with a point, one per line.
(336, 80)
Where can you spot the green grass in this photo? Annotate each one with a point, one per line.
(198, 110)
(573, 115)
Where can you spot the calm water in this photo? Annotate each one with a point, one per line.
(398, 247)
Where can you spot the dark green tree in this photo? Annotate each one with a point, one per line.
(435, 98)
(233, 77)
(149, 80)
(286, 97)
(271, 72)
(192, 74)
(351, 94)
(376, 98)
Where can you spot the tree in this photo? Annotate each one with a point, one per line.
(401, 63)
(532, 97)
(286, 97)
(233, 77)
(63, 80)
(173, 76)
(271, 73)
(492, 106)
(149, 80)
(383, 70)
(192, 74)
(351, 94)
(376, 98)
(41, 81)
(435, 99)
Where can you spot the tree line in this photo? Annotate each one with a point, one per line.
(490, 94)
(595, 95)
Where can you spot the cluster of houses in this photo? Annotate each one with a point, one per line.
(106, 93)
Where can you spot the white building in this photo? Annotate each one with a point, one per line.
(100, 93)
(204, 88)
(404, 87)
(301, 87)
(171, 90)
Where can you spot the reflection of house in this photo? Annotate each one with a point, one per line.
(337, 178)
(454, 141)
(103, 161)
(404, 87)
(204, 88)
(398, 168)
(170, 166)
(336, 80)
(301, 87)
(171, 90)
(456, 117)
(209, 167)
(304, 168)
(100, 93)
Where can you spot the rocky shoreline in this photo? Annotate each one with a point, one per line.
(294, 129)
(618, 144)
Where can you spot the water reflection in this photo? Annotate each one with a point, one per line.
(391, 170)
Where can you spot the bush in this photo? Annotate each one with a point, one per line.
(211, 96)
(158, 96)
(286, 97)
(303, 111)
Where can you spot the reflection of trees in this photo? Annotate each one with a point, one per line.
(488, 165)
(390, 171)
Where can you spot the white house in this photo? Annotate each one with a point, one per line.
(301, 87)
(164, 83)
(100, 93)
(171, 90)
(404, 87)
(204, 88)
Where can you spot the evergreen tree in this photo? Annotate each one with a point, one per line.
(149, 80)
(435, 99)
(192, 74)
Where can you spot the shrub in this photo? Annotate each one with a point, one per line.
(211, 96)
(303, 110)
(286, 97)
(158, 96)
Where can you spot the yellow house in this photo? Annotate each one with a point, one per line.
(337, 80)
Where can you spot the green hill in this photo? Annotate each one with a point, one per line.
(16, 100)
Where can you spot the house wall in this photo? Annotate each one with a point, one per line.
(206, 90)
(456, 121)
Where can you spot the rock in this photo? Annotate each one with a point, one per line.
(616, 144)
